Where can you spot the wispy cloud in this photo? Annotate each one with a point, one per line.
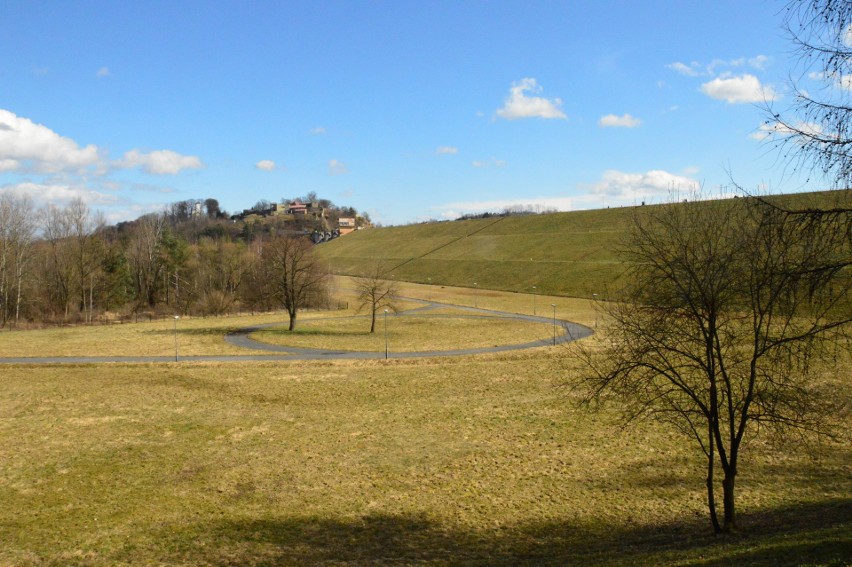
(444, 150)
(58, 193)
(159, 162)
(615, 188)
(691, 70)
(265, 165)
(519, 103)
(336, 167)
(717, 66)
(492, 162)
(613, 121)
(103, 72)
(776, 129)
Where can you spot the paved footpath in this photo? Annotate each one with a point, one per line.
(242, 338)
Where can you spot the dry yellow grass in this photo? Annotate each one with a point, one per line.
(204, 336)
(481, 461)
(473, 460)
(426, 332)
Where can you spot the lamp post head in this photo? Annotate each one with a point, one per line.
(177, 317)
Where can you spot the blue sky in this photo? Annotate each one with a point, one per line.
(408, 110)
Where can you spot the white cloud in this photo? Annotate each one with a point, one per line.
(60, 193)
(767, 130)
(846, 36)
(519, 105)
(840, 81)
(738, 90)
(446, 150)
(265, 165)
(613, 121)
(458, 208)
(318, 131)
(103, 72)
(691, 70)
(336, 167)
(159, 162)
(27, 146)
(634, 187)
(615, 188)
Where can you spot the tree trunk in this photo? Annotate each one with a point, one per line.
(373, 320)
(728, 488)
(292, 320)
(711, 497)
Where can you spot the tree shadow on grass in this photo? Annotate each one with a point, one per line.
(813, 534)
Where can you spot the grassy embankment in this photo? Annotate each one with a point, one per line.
(569, 254)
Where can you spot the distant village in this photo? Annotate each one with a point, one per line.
(320, 217)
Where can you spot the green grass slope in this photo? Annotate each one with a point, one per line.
(572, 254)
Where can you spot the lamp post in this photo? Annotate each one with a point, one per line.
(176, 342)
(554, 323)
(386, 334)
(474, 294)
(533, 300)
(595, 298)
(429, 291)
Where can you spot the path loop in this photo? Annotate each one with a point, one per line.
(242, 338)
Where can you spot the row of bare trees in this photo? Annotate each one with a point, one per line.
(66, 265)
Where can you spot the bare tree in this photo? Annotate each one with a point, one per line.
(17, 229)
(375, 292)
(728, 305)
(815, 132)
(145, 258)
(216, 272)
(86, 249)
(59, 265)
(295, 275)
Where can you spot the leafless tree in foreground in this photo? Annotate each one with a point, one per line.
(730, 305)
(295, 275)
(376, 292)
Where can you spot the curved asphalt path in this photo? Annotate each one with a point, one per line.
(241, 338)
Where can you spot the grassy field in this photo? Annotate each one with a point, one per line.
(480, 461)
(443, 331)
(483, 460)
